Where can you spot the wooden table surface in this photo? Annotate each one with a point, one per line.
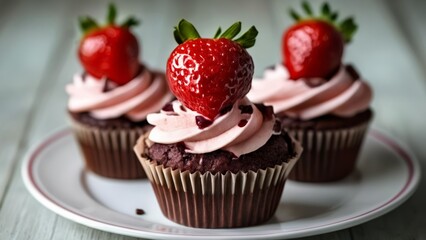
(38, 41)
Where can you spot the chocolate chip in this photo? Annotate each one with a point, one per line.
(168, 107)
(225, 110)
(106, 87)
(267, 111)
(352, 71)
(242, 123)
(277, 127)
(202, 122)
(246, 109)
(140, 211)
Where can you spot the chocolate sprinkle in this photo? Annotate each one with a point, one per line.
(242, 123)
(267, 111)
(225, 110)
(246, 109)
(352, 71)
(202, 122)
(106, 87)
(277, 127)
(168, 107)
(140, 211)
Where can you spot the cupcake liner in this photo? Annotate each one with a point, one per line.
(206, 200)
(328, 155)
(109, 152)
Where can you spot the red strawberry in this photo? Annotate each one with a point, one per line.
(313, 47)
(209, 75)
(110, 51)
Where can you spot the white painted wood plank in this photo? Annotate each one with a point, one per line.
(25, 47)
(411, 18)
(380, 52)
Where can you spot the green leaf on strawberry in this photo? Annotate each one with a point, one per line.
(209, 75)
(346, 27)
(313, 46)
(185, 31)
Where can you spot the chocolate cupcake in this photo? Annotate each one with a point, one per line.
(223, 162)
(108, 103)
(320, 101)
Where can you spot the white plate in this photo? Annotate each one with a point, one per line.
(387, 174)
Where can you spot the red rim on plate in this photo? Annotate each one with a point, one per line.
(402, 195)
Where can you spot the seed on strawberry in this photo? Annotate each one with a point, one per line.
(209, 74)
(313, 46)
(110, 51)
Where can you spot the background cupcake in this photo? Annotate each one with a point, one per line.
(321, 101)
(215, 160)
(109, 102)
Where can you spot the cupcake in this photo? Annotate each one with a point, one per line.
(109, 102)
(215, 159)
(321, 102)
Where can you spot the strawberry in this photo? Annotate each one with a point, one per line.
(313, 46)
(110, 51)
(209, 74)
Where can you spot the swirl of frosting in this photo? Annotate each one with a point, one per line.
(341, 96)
(104, 99)
(243, 129)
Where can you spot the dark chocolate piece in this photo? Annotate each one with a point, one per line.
(139, 211)
(202, 122)
(248, 109)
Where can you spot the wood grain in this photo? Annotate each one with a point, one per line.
(38, 44)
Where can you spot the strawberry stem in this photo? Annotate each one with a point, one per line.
(346, 27)
(185, 31)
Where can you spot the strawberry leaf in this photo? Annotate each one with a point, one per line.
(112, 14)
(87, 24)
(130, 22)
(325, 10)
(232, 31)
(307, 8)
(248, 39)
(334, 16)
(187, 31)
(348, 28)
(294, 15)
(179, 38)
(217, 34)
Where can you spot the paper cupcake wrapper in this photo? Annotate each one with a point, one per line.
(109, 152)
(217, 200)
(328, 155)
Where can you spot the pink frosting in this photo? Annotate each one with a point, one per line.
(340, 96)
(104, 99)
(227, 131)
